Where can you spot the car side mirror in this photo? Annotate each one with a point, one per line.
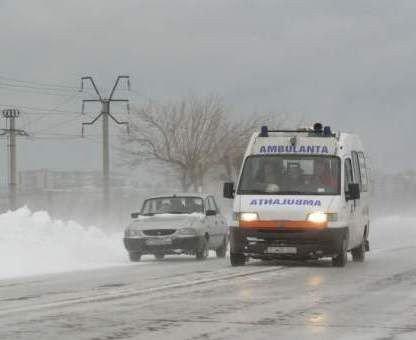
(353, 192)
(210, 213)
(228, 190)
(135, 215)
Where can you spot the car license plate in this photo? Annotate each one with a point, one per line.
(281, 250)
(158, 241)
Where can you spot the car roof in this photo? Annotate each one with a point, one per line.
(188, 194)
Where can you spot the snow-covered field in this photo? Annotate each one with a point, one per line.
(33, 243)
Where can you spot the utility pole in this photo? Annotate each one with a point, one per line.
(12, 132)
(105, 114)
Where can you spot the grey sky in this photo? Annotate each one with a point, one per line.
(348, 63)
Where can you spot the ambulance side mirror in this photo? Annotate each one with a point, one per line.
(228, 190)
(353, 192)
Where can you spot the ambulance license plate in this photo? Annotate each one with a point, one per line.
(158, 241)
(281, 250)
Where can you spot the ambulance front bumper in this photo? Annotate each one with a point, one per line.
(287, 243)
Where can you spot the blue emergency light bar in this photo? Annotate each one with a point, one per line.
(316, 131)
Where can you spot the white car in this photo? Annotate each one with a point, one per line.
(177, 224)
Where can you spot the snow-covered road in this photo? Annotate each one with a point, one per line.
(180, 298)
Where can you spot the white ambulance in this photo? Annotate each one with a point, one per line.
(301, 194)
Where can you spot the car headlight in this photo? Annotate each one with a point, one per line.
(246, 216)
(321, 217)
(186, 232)
(133, 233)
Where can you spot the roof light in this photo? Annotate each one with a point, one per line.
(317, 127)
(327, 131)
(264, 131)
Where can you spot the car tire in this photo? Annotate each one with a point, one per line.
(358, 254)
(135, 256)
(237, 259)
(159, 256)
(341, 259)
(222, 250)
(202, 253)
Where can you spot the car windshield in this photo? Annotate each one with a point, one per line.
(173, 205)
(290, 175)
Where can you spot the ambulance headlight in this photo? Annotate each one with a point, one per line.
(321, 217)
(248, 216)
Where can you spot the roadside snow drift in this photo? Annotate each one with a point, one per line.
(33, 243)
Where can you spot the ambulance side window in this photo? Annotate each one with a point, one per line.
(356, 167)
(363, 171)
(209, 205)
(212, 203)
(348, 179)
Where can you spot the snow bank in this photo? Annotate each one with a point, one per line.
(33, 243)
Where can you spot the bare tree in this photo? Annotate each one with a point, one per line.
(185, 136)
(239, 132)
(190, 138)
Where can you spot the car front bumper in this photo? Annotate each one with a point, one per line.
(308, 243)
(178, 245)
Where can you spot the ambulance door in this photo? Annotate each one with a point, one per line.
(361, 203)
(350, 205)
(365, 199)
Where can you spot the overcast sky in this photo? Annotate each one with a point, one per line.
(350, 64)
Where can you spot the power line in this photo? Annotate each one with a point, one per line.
(41, 109)
(66, 101)
(63, 86)
(36, 87)
(54, 126)
(34, 92)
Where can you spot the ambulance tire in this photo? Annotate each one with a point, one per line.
(358, 254)
(237, 259)
(135, 256)
(222, 249)
(341, 259)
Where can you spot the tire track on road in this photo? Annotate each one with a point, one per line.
(127, 293)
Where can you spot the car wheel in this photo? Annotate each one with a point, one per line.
(341, 259)
(358, 254)
(159, 256)
(202, 253)
(238, 259)
(135, 256)
(222, 250)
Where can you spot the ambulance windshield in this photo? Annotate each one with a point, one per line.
(290, 175)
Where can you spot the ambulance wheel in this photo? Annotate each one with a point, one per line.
(358, 254)
(159, 256)
(135, 256)
(237, 259)
(222, 249)
(341, 259)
